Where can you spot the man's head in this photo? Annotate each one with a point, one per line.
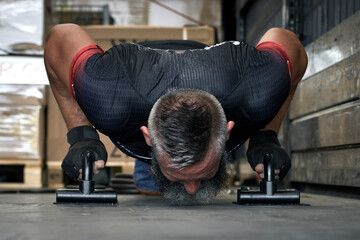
(187, 132)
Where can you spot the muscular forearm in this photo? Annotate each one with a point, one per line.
(72, 114)
(70, 110)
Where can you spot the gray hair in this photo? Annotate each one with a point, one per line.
(184, 124)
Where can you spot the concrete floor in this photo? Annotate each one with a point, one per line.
(34, 216)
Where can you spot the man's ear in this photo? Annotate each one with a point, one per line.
(230, 126)
(146, 134)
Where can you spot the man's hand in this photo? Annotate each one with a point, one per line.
(260, 170)
(267, 142)
(81, 140)
(97, 165)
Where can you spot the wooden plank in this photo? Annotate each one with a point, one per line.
(106, 36)
(338, 167)
(29, 162)
(19, 186)
(336, 45)
(337, 84)
(132, 32)
(329, 128)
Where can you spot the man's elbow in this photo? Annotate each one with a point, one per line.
(60, 30)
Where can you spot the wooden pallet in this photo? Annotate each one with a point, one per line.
(32, 173)
(55, 175)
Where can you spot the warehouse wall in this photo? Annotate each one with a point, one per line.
(322, 131)
(325, 114)
(312, 19)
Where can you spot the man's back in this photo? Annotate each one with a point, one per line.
(117, 90)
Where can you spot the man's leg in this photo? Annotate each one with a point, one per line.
(63, 42)
(144, 179)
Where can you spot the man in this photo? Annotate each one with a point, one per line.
(175, 108)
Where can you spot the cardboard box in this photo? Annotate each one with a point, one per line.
(57, 146)
(108, 36)
(22, 121)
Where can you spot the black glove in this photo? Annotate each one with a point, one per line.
(82, 139)
(267, 142)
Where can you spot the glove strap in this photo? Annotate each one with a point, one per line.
(82, 132)
(264, 136)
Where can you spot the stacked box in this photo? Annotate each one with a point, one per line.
(22, 121)
(22, 132)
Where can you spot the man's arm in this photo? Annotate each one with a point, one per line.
(289, 41)
(62, 43)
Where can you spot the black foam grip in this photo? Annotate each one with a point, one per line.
(266, 142)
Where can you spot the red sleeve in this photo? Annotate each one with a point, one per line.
(80, 59)
(276, 49)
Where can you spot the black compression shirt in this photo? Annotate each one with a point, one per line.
(116, 90)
